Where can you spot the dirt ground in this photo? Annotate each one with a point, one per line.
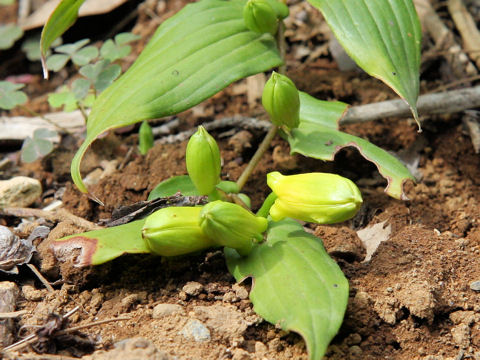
(415, 298)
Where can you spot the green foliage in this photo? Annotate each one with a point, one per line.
(171, 186)
(10, 96)
(145, 138)
(9, 34)
(6, 2)
(297, 286)
(37, 146)
(117, 49)
(383, 37)
(78, 52)
(59, 21)
(64, 98)
(101, 74)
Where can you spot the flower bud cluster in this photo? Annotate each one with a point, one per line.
(180, 230)
(262, 16)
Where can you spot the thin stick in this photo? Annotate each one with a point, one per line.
(12, 314)
(100, 322)
(41, 277)
(257, 156)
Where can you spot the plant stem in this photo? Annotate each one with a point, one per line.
(34, 113)
(282, 45)
(257, 156)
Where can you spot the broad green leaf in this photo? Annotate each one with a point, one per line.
(192, 56)
(383, 37)
(10, 96)
(318, 137)
(99, 246)
(171, 186)
(296, 285)
(9, 34)
(37, 146)
(59, 21)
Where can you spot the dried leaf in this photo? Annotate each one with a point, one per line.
(13, 251)
(373, 236)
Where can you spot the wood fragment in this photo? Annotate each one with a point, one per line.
(444, 40)
(8, 297)
(470, 120)
(467, 28)
(54, 216)
(41, 277)
(12, 314)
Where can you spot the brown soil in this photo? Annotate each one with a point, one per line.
(412, 300)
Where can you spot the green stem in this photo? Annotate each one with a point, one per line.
(257, 156)
(281, 43)
(267, 204)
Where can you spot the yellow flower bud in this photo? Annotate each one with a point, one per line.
(175, 231)
(320, 198)
(203, 161)
(281, 100)
(259, 16)
(231, 225)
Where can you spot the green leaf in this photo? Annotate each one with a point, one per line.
(38, 146)
(112, 51)
(171, 186)
(31, 47)
(107, 77)
(10, 96)
(318, 137)
(6, 2)
(80, 88)
(64, 16)
(145, 137)
(56, 62)
(296, 284)
(99, 246)
(85, 55)
(383, 37)
(9, 34)
(64, 98)
(71, 49)
(193, 55)
(125, 38)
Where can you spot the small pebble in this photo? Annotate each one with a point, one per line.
(20, 191)
(32, 294)
(195, 330)
(475, 285)
(161, 310)
(192, 288)
(240, 292)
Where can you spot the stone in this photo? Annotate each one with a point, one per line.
(32, 294)
(195, 330)
(240, 291)
(130, 349)
(225, 320)
(162, 310)
(475, 285)
(8, 297)
(192, 288)
(20, 191)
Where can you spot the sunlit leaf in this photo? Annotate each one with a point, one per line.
(170, 187)
(10, 96)
(56, 62)
(383, 37)
(296, 285)
(192, 56)
(9, 34)
(99, 246)
(65, 98)
(59, 21)
(318, 137)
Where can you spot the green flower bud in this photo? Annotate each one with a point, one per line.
(259, 16)
(231, 225)
(175, 231)
(203, 161)
(145, 138)
(281, 100)
(315, 197)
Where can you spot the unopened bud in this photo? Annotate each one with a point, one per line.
(320, 198)
(231, 225)
(203, 161)
(259, 16)
(175, 231)
(145, 137)
(281, 100)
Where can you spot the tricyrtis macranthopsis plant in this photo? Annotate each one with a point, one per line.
(198, 52)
